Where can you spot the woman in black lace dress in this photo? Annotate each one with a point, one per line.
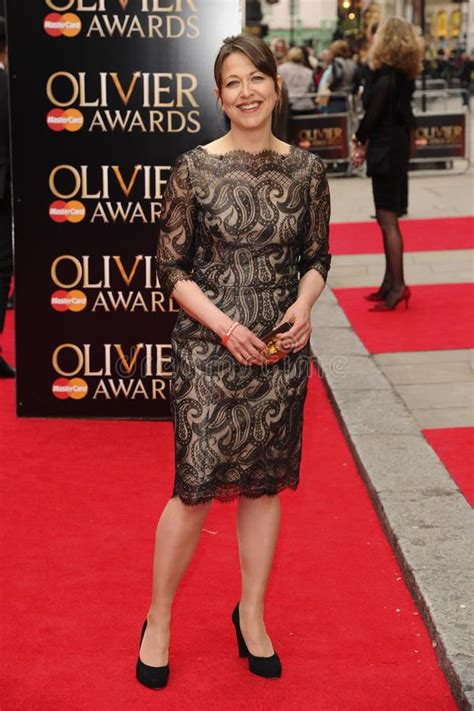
(383, 139)
(243, 247)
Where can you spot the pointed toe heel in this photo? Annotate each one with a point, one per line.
(268, 667)
(375, 296)
(384, 306)
(152, 677)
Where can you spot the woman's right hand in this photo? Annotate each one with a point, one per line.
(357, 155)
(246, 347)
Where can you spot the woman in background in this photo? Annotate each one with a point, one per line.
(341, 78)
(383, 139)
(299, 82)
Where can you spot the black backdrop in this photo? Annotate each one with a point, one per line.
(104, 95)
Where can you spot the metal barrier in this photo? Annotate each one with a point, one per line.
(434, 95)
(326, 133)
(443, 135)
(432, 84)
(438, 139)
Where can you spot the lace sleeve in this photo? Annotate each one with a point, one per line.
(315, 243)
(175, 251)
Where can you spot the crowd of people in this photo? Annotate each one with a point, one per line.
(327, 83)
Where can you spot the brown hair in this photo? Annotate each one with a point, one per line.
(254, 49)
(396, 45)
(340, 48)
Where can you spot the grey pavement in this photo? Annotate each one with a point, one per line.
(443, 195)
(383, 402)
(437, 267)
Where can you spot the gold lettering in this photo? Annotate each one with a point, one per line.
(99, 212)
(54, 271)
(126, 188)
(128, 366)
(125, 96)
(101, 390)
(136, 121)
(100, 302)
(83, 8)
(97, 121)
(52, 181)
(74, 89)
(60, 8)
(127, 277)
(169, 26)
(155, 23)
(193, 35)
(193, 117)
(135, 26)
(158, 389)
(82, 92)
(181, 91)
(95, 27)
(177, 6)
(157, 298)
(80, 359)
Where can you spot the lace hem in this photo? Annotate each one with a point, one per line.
(224, 497)
(322, 269)
(168, 283)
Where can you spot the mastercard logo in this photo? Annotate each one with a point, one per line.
(69, 120)
(63, 300)
(72, 211)
(75, 388)
(67, 25)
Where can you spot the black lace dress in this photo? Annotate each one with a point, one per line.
(245, 227)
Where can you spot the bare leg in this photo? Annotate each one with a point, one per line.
(177, 535)
(258, 522)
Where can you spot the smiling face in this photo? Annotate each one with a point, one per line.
(247, 95)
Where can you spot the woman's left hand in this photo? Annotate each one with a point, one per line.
(299, 315)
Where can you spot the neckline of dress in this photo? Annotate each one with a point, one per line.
(243, 152)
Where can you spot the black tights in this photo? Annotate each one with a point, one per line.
(393, 280)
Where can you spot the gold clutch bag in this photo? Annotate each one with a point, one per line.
(274, 353)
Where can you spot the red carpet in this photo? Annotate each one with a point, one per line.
(455, 448)
(439, 317)
(418, 235)
(80, 503)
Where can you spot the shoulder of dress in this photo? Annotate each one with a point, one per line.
(311, 161)
(187, 158)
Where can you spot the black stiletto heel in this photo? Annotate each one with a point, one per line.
(268, 667)
(152, 677)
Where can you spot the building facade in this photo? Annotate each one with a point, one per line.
(301, 21)
(448, 24)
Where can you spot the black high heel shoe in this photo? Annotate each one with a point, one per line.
(269, 667)
(152, 677)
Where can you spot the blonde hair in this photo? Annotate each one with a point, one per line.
(397, 45)
(295, 54)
